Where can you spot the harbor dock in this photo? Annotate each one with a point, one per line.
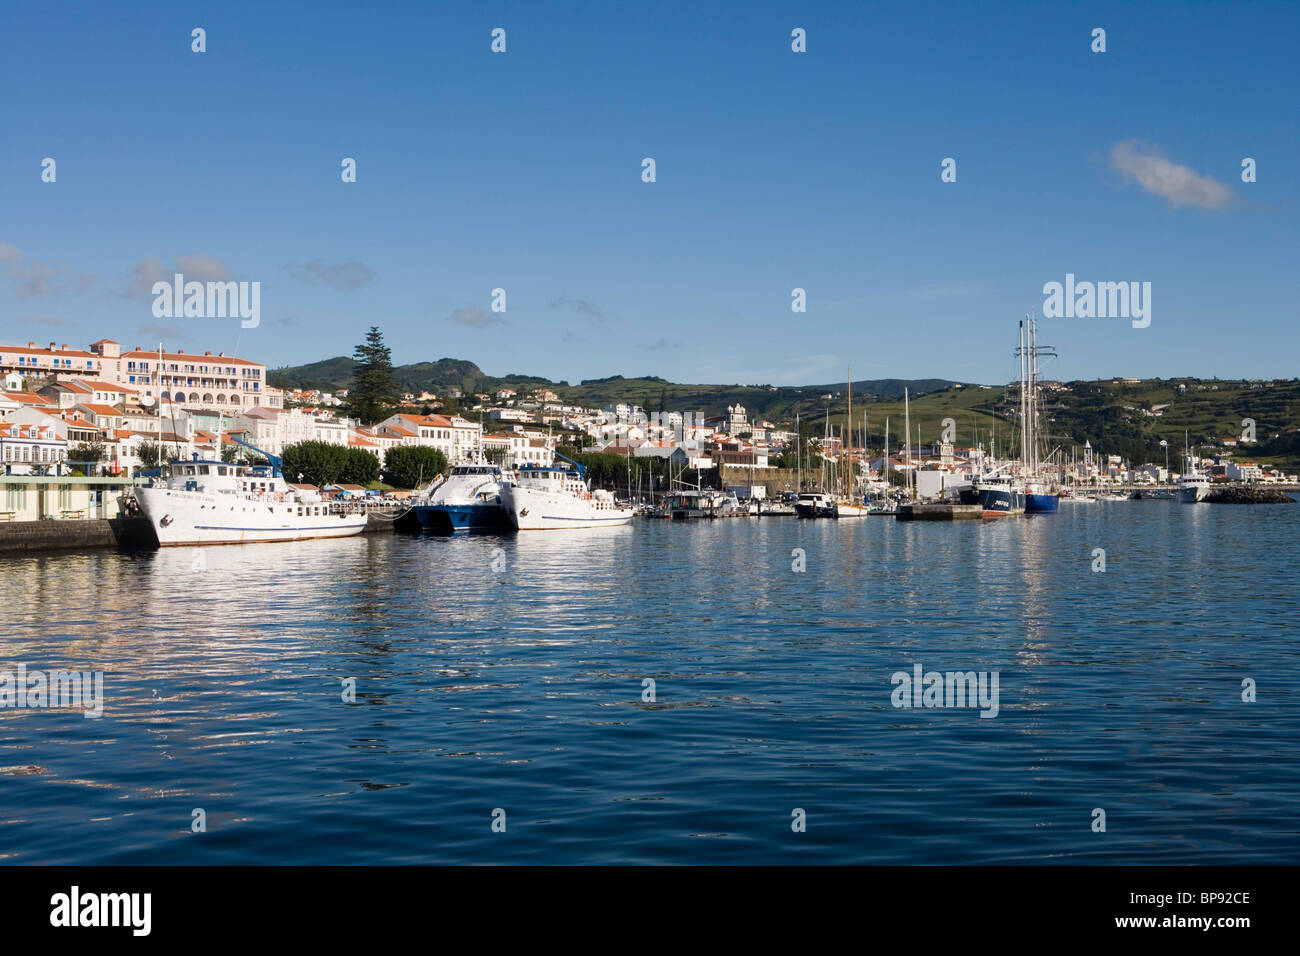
(938, 511)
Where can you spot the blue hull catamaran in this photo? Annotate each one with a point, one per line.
(468, 499)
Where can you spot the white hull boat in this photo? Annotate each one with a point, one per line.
(555, 499)
(211, 502)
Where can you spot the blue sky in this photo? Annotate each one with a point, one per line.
(775, 170)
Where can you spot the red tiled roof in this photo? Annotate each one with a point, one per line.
(197, 357)
(76, 353)
(29, 398)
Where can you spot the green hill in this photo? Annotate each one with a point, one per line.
(1122, 417)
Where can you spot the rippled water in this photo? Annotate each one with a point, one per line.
(522, 690)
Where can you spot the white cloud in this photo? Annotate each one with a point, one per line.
(1180, 185)
(33, 280)
(9, 253)
(345, 276)
(146, 272)
(584, 307)
(195, 268)
(203, 268)
(473, 315)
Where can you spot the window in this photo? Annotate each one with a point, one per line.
(16, 498)
(65, 497)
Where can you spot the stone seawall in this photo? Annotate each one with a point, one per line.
(18, 537)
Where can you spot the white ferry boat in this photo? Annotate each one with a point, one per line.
(1193, 485)
(217, 502)
(551, 498)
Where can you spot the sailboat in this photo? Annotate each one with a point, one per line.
(848, 504)
(1041, 497)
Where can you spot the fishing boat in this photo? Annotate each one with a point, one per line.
(468, 499)
(999, 494)
(217, 502)
(556, 497)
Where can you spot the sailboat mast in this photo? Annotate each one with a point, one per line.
(907, 441)
(886, 454)
(1032, 359)
(848, 432)
(1024, 415)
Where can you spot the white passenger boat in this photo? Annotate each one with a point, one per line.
(1194, 485)
(217, 502)
(553, 498)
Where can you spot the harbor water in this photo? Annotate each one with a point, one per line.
(511, 674)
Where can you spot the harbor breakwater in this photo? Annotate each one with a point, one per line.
(121, 533)
(76, 534)
(1247, 495)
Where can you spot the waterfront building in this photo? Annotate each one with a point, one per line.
(31, 449)
(38, 497)
(454, 436)
(271, 429)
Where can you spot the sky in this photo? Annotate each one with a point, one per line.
(774, 170)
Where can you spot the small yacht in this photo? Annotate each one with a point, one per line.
(687, 503)
(815, 504)
(217, 502)
(468, 499)
(556, 497)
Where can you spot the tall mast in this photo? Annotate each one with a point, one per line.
(886, 454)
(907, 441)
(1032, 359)
(1024, 412)
(848, 432)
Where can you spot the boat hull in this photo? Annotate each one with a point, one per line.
(194, 518)
(814, 511)
(449, 519)
(1037, 503)
(996, 502)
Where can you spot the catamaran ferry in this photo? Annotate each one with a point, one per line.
(469, 499)
(217, 502)
(548, 499)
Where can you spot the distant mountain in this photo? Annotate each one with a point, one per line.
(650, 391)
(335, 373)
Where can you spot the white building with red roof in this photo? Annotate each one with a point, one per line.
(455, 437)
